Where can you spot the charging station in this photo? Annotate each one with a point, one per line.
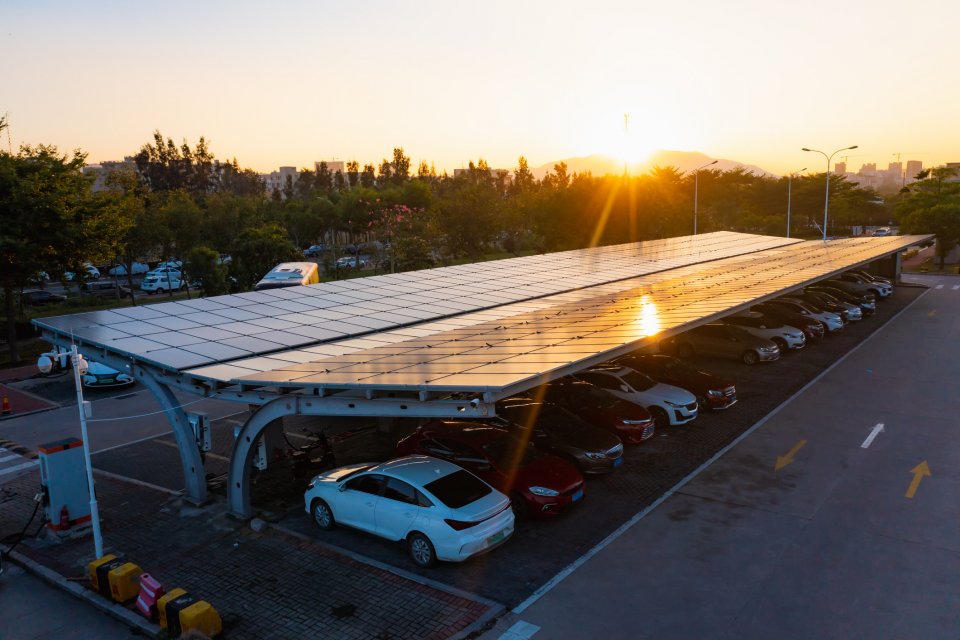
(63, 479)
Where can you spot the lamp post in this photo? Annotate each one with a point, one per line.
(45, 364)
(826, 198)
(789, 188)
(696, 189)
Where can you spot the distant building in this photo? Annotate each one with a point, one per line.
(840, 168)
(277, 180)
(332, 166)
(102, 170)
(913, 168)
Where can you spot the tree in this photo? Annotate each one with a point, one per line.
(203, 264)
(165, 167)
(941, 219)
(368, 177)
(47, 216)
(353, 174)
(401, 166)
(258, 250)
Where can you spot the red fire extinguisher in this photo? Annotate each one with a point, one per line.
(64, 518)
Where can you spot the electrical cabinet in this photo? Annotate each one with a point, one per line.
(63, 478)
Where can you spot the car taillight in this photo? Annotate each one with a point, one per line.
(459, 525)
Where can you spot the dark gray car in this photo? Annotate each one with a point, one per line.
(723, 341)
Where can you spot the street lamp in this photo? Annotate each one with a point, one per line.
(696, 188)
(826, 199)
(45, 364)
(789, 187)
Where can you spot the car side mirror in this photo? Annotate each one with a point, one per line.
(624, 388)
(342, 487)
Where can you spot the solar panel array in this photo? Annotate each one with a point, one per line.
(192, 333)
(513, 346)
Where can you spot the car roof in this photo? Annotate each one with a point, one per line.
(475, 431)
(417, 469)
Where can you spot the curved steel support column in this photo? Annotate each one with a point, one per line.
(194, 475)
(238, 487)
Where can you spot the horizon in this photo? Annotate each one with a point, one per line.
(747, 83)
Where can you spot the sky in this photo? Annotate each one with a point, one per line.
(290, 83)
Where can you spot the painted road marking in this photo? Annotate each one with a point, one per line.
(643, 513)
(9, 458)
(520, 631)
(955, 287)
(919, 471)
(939, 286)
(25, 465)
(783, 461)
(873, 434)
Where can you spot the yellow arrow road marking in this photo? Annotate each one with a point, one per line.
(783, 461)
(919, 471)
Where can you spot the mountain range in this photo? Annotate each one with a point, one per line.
(684, 161)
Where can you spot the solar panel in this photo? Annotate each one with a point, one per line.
(431, 300)
(519, 347)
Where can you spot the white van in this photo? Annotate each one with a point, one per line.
(290, 274)
(162, 282)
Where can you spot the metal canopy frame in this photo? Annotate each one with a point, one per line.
(466, 351)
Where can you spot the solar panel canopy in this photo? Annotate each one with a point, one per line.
(493, 327)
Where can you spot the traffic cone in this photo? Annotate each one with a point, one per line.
(6, 405)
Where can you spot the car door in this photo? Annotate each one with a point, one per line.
(397, 509)
(357, 502)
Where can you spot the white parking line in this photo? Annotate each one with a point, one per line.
(520, 631)
(939, 286)
(9, 458)
(25, 465)
(576, 564)
(873, 434)
(955, 287)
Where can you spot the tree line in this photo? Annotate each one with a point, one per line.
(181, 201)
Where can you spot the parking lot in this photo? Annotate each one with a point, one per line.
(539, 549)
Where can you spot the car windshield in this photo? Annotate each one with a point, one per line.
(510, 452)
(589, 393)
(637, 380)
(458, 489)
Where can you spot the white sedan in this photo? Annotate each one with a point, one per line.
(440, 511)
(121, 269)
(669, 405)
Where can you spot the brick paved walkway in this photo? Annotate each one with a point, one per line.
(272, 584)
(22, 402)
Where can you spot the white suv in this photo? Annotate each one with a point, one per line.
(757, 324)
(162, 282)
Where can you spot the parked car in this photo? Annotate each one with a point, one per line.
(870, 276)
(538, 484)
(162, 282)
(667, 404)
(850, 312)
(812, 302)
(89, 272)
(40, 296)
(866, 301)
(172, 263)
(711, 391)
(350, 262)
(99, 375)
(165, 270)
(783, 335)
(831, 322)
(555, 430)
(314, 250)
(439, 510)
(722, 341)
(104, 289)
(812, 328)
(883, 231)
(137, 268)
(849, 280)
(628, 421)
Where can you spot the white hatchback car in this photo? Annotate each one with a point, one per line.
(669, 405)
(441, 512)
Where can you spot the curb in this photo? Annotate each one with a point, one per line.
(494, 609)
(112, 609)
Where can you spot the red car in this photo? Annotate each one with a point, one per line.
(538, 484)
(628, 421)
(712, 392)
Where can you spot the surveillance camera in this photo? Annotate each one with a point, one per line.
(475, 402)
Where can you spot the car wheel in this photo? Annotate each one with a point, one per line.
(684, 350)
(322, 515)
(161, 291)
(660, 417)
(750, 357)
(781, 344)
(421, 550)
(519, 505)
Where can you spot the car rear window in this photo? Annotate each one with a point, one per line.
(458, 489)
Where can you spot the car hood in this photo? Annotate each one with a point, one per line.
(672, 393)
